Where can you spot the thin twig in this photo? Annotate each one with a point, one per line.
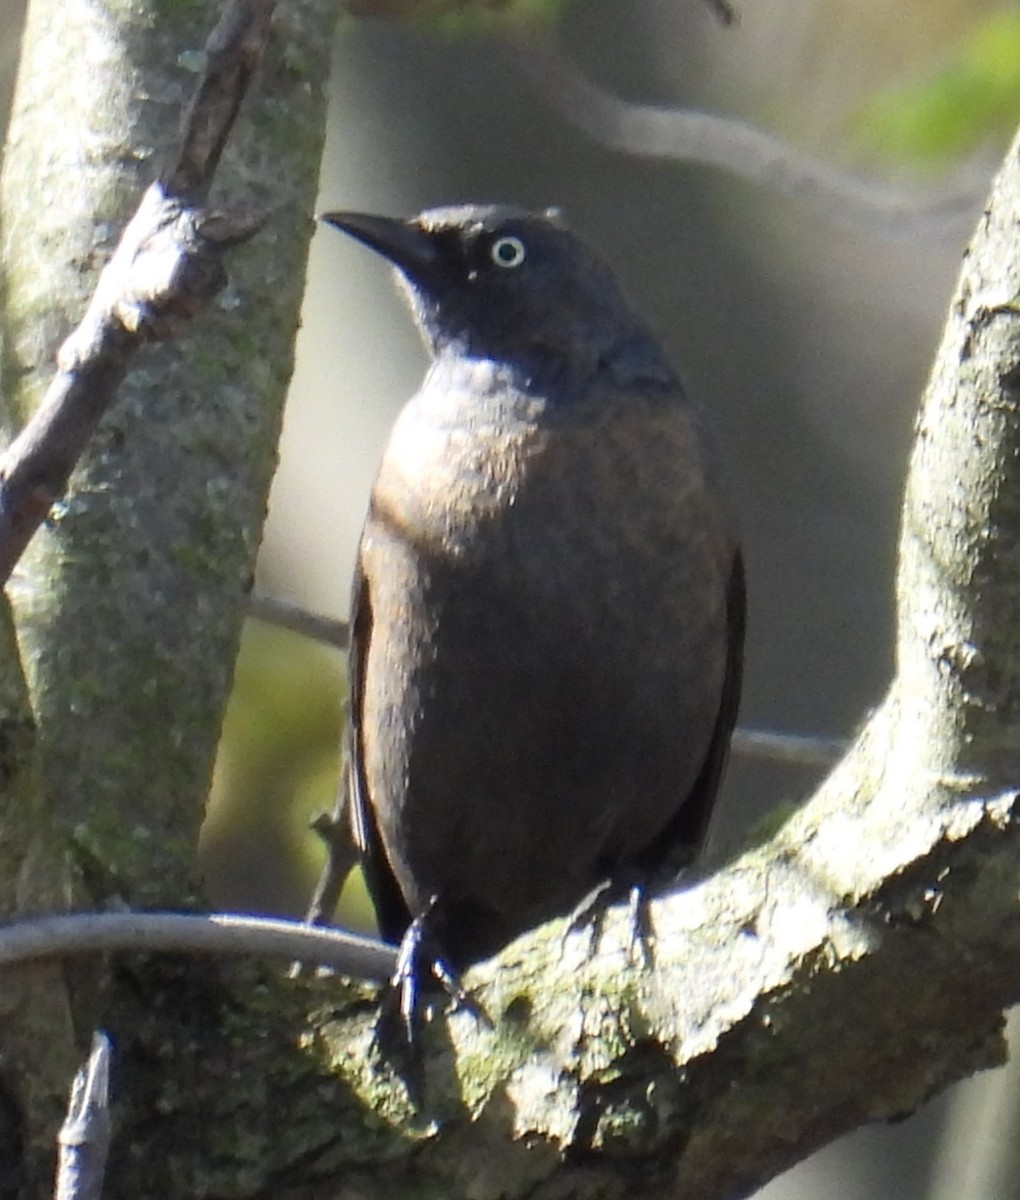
(684, 135)
(796, 749)
(84, 1137)
(330, 631)
(341, 856)
(166, 268)
(214, 933)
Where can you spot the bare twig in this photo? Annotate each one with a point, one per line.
(684, 135)
(84, 1138)
(341, 855)
(214, 933)
(167, 267)
(330, 631)
(795, 749)
(233, 51)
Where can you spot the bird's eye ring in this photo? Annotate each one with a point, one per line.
(507, 252)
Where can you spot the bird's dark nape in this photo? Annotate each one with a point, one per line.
(548, 613)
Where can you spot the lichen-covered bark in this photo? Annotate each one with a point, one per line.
(959, 582)
(781, 1012)
(38, 1044)
(129, 602)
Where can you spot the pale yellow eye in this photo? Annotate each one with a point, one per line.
(507, 252)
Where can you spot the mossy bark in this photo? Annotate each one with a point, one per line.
(129, 603)
(130, 600)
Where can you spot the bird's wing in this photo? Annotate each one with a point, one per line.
(677, 844)
(700, 802)
(391, 910)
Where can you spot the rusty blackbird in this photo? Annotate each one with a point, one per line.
(548, 610)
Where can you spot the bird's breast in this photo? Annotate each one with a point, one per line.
(466, 472)
(449, 472)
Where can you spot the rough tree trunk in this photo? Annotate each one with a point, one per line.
(128, 606)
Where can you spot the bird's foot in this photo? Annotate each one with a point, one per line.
(590, 915)
(422, 963)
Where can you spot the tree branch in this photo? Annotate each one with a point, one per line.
(166, 269)
(284, 614)
(207, 933)
(744, 150)
(129, 600)
(233, 51)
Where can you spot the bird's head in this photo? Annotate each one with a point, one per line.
(499, 282)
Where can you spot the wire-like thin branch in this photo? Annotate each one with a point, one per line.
(684, 135)
(794, 749)
(84, 1138)
(330, 631)
(167, 267)
(214, 933)
(341, 856)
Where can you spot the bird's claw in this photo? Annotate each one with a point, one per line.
(590, 916)
(421, 963)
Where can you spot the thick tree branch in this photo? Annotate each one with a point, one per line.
(129, 600)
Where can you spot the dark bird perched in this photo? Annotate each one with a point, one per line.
(548, 611)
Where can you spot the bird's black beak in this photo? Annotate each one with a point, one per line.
(404, 243)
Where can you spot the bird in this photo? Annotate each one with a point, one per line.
(548, 609)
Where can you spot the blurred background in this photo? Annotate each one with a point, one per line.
(798, 316)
